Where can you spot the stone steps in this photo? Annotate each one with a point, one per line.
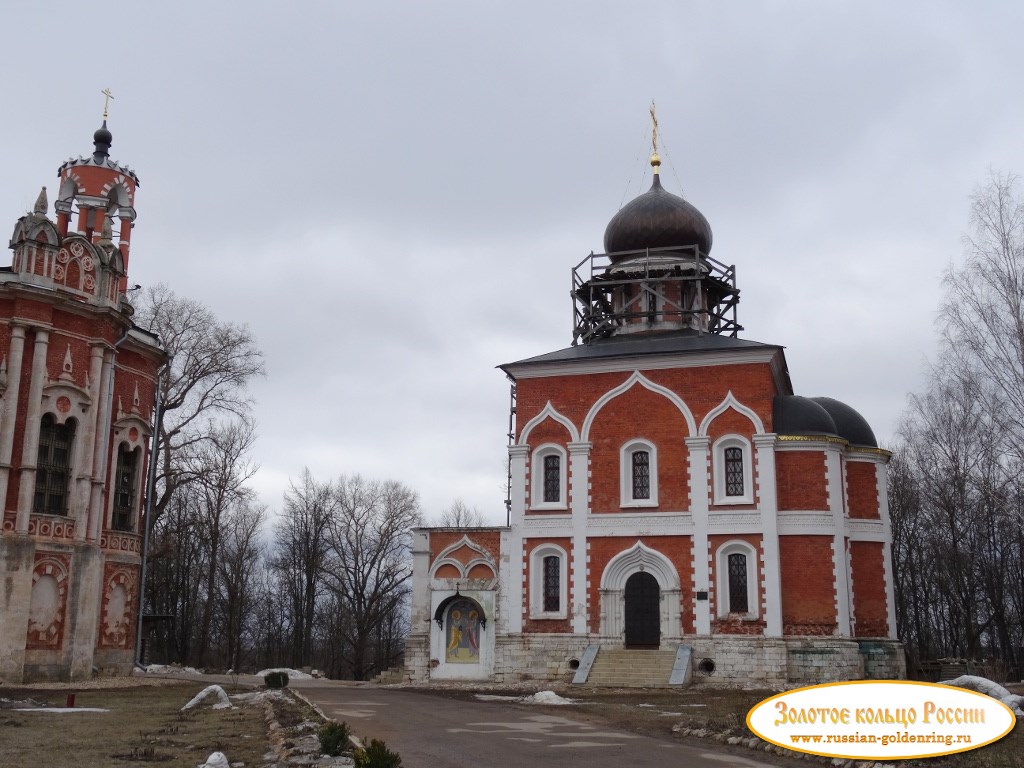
(617, 668)
(392, 676)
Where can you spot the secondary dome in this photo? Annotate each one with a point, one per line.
(657, 219)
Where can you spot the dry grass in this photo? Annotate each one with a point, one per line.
(144, 725)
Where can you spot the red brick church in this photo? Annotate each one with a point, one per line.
(77, 387)
(668, 491)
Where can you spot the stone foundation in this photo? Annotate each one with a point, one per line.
(718, 660)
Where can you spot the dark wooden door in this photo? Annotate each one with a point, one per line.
(643, 613)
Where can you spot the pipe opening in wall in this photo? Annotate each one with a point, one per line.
(707, 666)
(574, 664)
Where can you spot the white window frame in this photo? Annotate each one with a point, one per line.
(537, 555)
(737, 547)
(537, 477)
(626, 473)
(718, 452)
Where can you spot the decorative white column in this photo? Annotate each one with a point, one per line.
(30, 440)
(100, 441)
(769, 507)
(579, 494)
(882, 478)
(88, 441)
(513, 595)
(700, 485)
(836, 492)
(9, 412)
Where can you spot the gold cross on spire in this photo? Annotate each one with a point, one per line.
(655, 160)
(107, 96)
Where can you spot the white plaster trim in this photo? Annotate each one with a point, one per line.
(731, 402)
(444, 558)
(549, 412)
(537, 555)
(638, 378)
(718, 471)
(626, 473)
(537, 477)
(639, 557)
(734, 547)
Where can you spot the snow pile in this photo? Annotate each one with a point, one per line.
(543, 697)
(164, 669)
(216, 760)
(547, 697)
(223, 702)
(986, 686)
(293, 674)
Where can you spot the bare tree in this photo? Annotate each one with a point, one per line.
(370, 564)
(237, 572)
(300, 557)
(458, 514)
(211, 365)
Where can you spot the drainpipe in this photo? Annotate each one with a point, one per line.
(150, 493)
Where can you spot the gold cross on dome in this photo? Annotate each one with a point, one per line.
(654, 129)
(107, 96)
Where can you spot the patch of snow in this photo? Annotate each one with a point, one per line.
(60, 709)
(548, 697)
(645, 705)
(163, 669)
(223, 702)
(989, 688)
(294, 674)
(216, 760)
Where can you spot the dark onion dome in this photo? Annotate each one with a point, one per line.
(850, 425)
(795, 415)
(657, 219)
(102, 140)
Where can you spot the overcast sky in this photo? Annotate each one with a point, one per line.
(392, 195)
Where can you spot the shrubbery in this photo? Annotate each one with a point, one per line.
(333, 738)
(276, 679)
(377, 755)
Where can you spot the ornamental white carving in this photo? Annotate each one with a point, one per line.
(77, 249)
(62, 256)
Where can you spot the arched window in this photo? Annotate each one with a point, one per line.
(737, 585)
(552, 590)
(548, 478)
(53, 466)
(639, 474)
(125, 480)
(733, 471)
(548, 582)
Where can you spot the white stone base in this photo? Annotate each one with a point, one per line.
(718, 660)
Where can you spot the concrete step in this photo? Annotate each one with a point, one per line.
(622, 668)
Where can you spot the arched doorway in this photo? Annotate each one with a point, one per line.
(643, 611)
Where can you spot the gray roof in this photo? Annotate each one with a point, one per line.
(677, 342)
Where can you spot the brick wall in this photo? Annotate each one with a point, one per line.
(808, 585)
(862, 489)
(869, 602)
(800, 478)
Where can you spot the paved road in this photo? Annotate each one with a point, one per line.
(434, 732)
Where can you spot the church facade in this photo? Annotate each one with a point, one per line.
(668, 490)
(78, 382)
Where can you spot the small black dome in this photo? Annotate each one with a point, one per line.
(795, 415)
(102, 140)
(850, 425)
(657, 219)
